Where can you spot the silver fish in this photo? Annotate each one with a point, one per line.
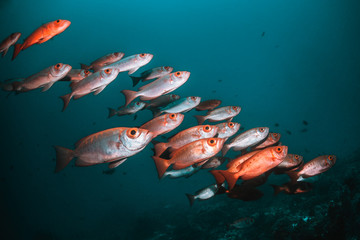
(219, 114)
(204, 194)
(131, 63)
(185, 172)
(180, 106)
(132, 108)
(227, 129)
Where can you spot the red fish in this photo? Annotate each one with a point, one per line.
(290, 163)
(208, 105)
(164, 123)
(42, 34)
(190, 154)
(8, 42)
(103, 61)
(271, 140)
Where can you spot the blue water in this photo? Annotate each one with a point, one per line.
(282, 61)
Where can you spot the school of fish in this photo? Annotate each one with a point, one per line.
(186, 152)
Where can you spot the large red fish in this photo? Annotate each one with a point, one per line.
(111, 146)
(42, 34)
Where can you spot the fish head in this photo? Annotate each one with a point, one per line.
(234, 110)
(262, 132)
(60, 25)
(329, 160)
(167, 69)
(275, 136)
(109, 73)
(15, 36)
(232, 127)
(143, 58)
(296, 159)
(137, 105)
(193, 100)
(174, 97)
(213, 145)
(135, 138)
(279, 153)
(117, 55)
(208, 131)
(60, 70)
(174, 118)
(179, 77)
(85, 73)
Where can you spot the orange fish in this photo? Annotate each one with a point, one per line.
(164, 123)
(42, 34)
(190, 154)
(258, 164)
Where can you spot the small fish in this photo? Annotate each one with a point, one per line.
(186, 172)
(263, 34)
(8, 42)
(290, 163)
(246, 139)
(96, 82)
(160, 86)
(163, 124)
(151, 74)
(103, 61)
(303, 130)
(109, 171)
(243, 223)
(111, 146)
(227, 129)
(186, 136)
(271, 140)
(305, 123)
(288, 132)
(43, 79)
(42, 34)
(214, 162)
(258, 164)
(162, 101)
(132, 108)
(219, 114)
(276, 125)
(208, 105)
(203, 194)
(179, 106)
(314, 167)
(76, 75)
(292, 188)
(190, 154)
(131, 63)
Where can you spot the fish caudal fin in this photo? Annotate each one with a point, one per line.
(112, 112)
(84, 66)
(161, 165)
(191, 198)
(218, 176)
(63, 157)
(277, 189)
(17, 49)
(160, 148)
(135, 80)
(225, 149)
(66, 99)
(155, 111)
(293, 176)
(200, 119)
(129, 96)
(231, 178)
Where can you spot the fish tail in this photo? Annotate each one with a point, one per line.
(135, 80)
(191, 198)
(277, 189)
(231, 178)
(16, 86)
(218, 176)
(17, 49)
(225, 149)
(129, 96)
(163, 176)
(112, 112)
(293, 176)
(161, 165)
(63, 157)
(84, 66)
(155, 111)
(4, 52)
(160, 148)
(66, 99)
(200, 119)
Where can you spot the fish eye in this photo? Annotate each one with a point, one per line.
(262, 129)
(193, 98)
(207, 128)
(230, 124)
(58, 21)
(132, 133)
(278, 149)
(167, 68)
(142, 55)
(275, 135)
(86, 72)
(108, 70)
(137, 103)
(211, 141)
(58, 66)
(234, 108)
(330, 158)
(172, 116)
(178, 74)
(296, 157)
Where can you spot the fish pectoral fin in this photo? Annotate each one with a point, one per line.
(99, 90)
(47, 86)
(131, 71)
(42, 40)
(116, 163)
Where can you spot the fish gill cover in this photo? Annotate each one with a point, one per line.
(272, 154)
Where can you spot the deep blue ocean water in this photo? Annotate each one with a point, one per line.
(282, 61)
